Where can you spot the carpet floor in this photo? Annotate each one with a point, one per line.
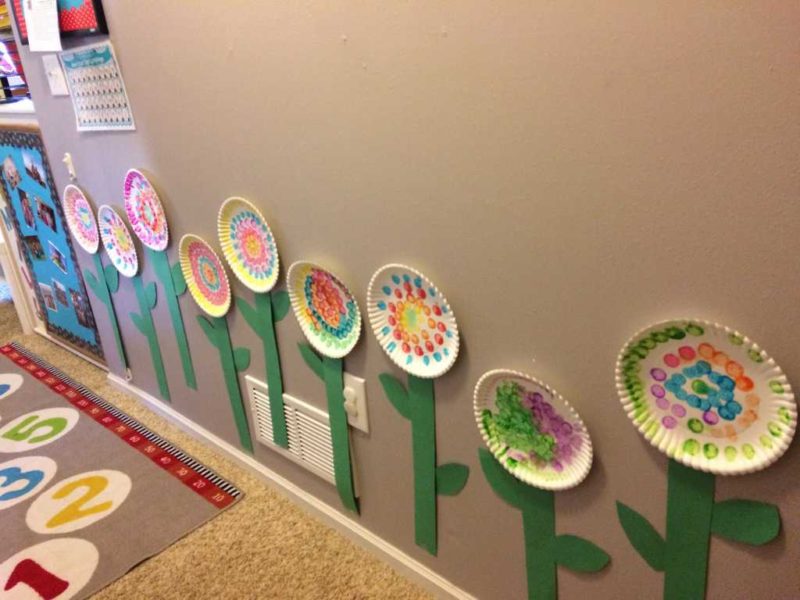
(263, 547)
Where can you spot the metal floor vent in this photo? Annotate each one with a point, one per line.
(309, 430)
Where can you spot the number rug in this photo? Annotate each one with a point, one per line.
(86, 492)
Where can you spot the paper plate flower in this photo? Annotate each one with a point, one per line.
(145, 211)
(326, 310)
(248, 244)
(208, 283)
(416, 328)
(707, 396)
(532, 430)
(205, 276)
(713, 402)
(80, 219)
(331, 321)
(117, 241)
(412, 321)
(82, 224)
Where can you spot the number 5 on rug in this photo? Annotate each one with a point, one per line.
(78, 501)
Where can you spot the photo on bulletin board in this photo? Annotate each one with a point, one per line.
(49, 257)
(76, 18)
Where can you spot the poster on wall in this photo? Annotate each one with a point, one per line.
(49, 257)
(98, 93)
(76, 18)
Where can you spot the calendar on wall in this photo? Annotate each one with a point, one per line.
(97, 89)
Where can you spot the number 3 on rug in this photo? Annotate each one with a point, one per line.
(36, 429)
(78, 501)
(23, 478)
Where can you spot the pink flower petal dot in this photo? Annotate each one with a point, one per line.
(678, 410)
(662, 403)
(669, 422)
(658, 391)
(687, 353)
(710, 417)
(671, 360)
(658, 374)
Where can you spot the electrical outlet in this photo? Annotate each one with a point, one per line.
(355, 402)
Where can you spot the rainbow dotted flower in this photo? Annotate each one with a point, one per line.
(413, 321)
(248, 244)
(205, 276)
(117, 241)
(326, 310)
(532, 431)
(145, 211)
(80, 219)
(707, 396)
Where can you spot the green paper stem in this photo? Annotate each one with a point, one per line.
(99, 285)
(417, 405)
(147, 297)
(543, 549)
(692, 516)
(331, 371)
(232, 361)
(165, 274)
(261, 319)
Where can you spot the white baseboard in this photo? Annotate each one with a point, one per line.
(402, 562)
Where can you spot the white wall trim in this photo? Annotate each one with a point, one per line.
(408, 566)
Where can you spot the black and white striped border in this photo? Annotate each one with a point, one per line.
(146, 433)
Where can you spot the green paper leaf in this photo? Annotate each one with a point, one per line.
(396, 393)
(280, 304)
(91, 281)
(503, 483)
(151, 294)
(241, 358)
(451, 478)
(178, 280)
(207, 327)
(312, 359)
(249, 313)
(642, 536)
(136, 319)
(746, 521)
(112, 278)
(578, 554)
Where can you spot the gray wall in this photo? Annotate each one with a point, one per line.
(566, 172)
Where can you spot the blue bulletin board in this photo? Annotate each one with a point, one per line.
(47, 247)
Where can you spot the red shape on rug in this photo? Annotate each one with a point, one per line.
(42, 581)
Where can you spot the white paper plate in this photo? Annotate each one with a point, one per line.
(80, 218)
(706, 396)
(117, 241)
(248, 244)
(205, 275)
(412, 321)
(326, 310)
(145, 211)
(532, 430)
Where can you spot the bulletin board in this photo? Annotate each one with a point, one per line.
(38, 220)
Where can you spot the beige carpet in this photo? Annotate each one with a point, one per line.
(264, 547)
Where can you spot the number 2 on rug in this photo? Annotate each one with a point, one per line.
(78, 501)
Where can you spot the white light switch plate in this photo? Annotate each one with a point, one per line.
(359, 421)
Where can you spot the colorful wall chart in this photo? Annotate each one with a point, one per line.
(415, 326)
(714, 402)
(40, 224)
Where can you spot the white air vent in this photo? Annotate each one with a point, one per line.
(309, 430)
